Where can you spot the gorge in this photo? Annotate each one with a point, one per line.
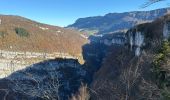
(125, 65)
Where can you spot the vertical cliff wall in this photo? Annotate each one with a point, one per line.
(136, 41)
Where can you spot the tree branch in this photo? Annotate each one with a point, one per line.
(150, 2)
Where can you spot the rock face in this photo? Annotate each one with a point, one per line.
(136, 41)
(11, 61)
(133, 38)
(166, 30)
(118, 38)
(114, 22)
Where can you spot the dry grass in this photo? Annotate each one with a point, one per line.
(51, 39)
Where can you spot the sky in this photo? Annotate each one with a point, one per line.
(65, 12)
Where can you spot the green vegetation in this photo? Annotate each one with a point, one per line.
(161, 69)
(90, 32)
(2, 33)
(21, 32)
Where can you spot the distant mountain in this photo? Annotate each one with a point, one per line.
(114, 22)
(21, 34)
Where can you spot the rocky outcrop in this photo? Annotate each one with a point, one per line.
(11, 61)
(166, 29)
(135, 41)
(109, 39)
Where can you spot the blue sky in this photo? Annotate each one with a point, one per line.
(65, 12)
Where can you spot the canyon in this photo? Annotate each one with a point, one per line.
(117, 66)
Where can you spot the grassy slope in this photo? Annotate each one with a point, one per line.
(53, 39)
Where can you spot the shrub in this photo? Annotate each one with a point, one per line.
(2, 34)
(22, 32)
(160, 71)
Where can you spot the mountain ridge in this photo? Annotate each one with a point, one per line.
(109, 23)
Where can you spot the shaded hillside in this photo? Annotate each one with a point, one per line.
(21, 34)
(56, 79)
(126, 76)
(114, 22)
(48, 80)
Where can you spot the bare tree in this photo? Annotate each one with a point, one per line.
(129, 77)
(47, 91)
(150, 90)
(6, 93)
